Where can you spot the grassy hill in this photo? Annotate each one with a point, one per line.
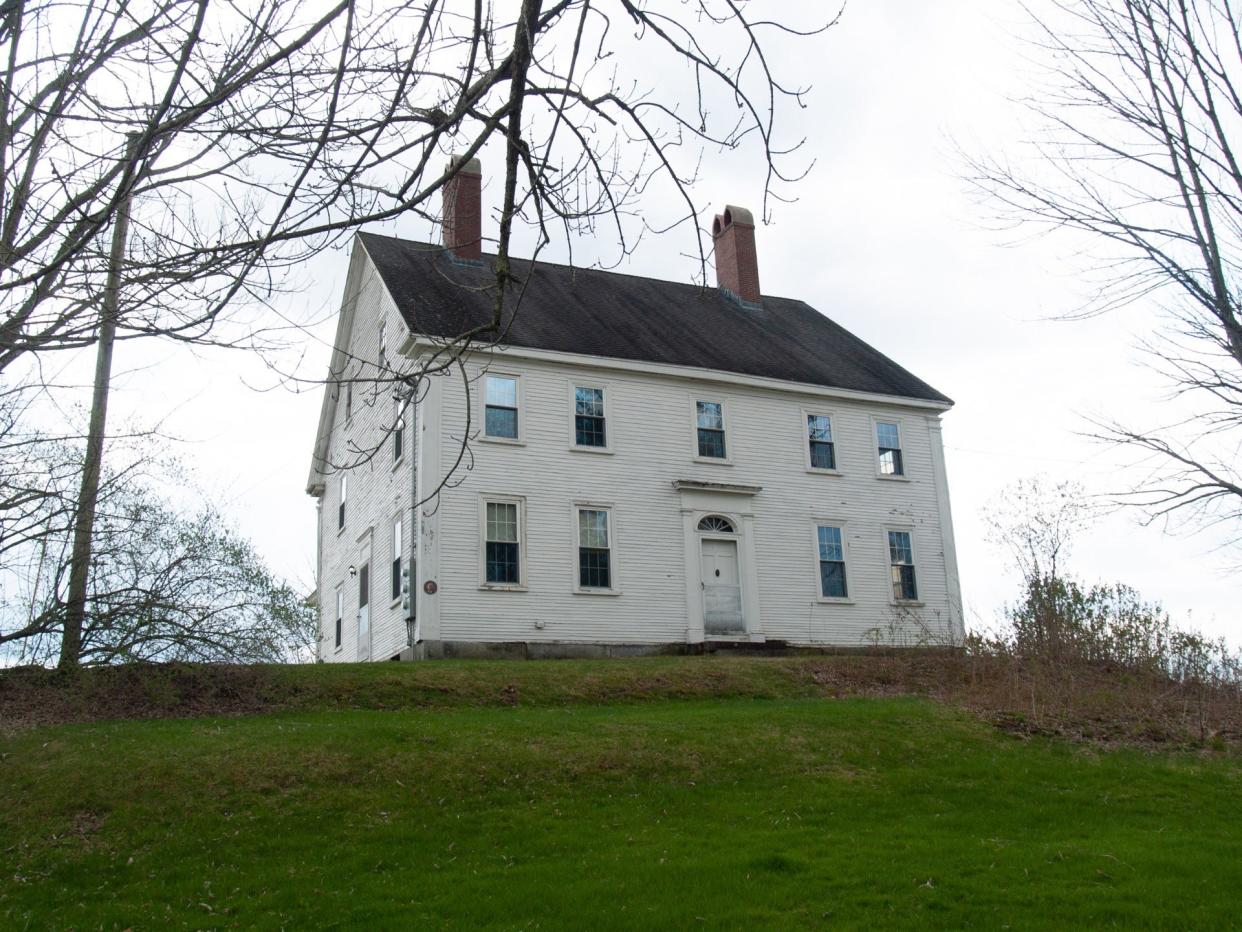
(663, 793)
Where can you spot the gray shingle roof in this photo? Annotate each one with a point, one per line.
(622, 316)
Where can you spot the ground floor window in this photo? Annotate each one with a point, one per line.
(594, 549)
(832, 583)
(901, 565)
(502, 543)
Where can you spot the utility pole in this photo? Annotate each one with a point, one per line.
(88, 496)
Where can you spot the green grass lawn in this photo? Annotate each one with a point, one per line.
(690, 813)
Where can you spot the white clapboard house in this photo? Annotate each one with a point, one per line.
(648, 465)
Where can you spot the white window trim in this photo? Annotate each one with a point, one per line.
(574, 385)
(806, 442)
(520, 501)
(914, 561)
(876, 420)
(723, 401)
(399, 546)
(615, 588)
(817, 522)
(481, 416)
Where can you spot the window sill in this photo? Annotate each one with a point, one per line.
(888, 478)
(580, 590)
(824, 472)
(397, 464)
(714, 460)
(503, 441)
(394, 603)
(337, 650)
(906, 603)
(575, 448)
(501, 587)
(832, 600)
(340, 530)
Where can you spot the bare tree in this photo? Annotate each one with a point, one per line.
(250, 137)
(1036, 521)
(1141, 114)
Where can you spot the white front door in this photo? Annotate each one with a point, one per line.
(364, 612)
(722, 590)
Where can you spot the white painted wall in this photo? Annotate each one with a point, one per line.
(379, 489)
(652, 445)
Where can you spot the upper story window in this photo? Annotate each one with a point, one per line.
(502, 547)
(383, 344)
(709, 422)
(832, 584)
(821, 448)
(594, 549)
(349, 400)
(500, 415)
(398, 429)
(590, 427)
(888, 442)
(340, 508)
(901, 566)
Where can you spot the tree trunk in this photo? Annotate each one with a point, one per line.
(84, 521)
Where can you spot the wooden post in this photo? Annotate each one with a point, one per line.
(84, 520)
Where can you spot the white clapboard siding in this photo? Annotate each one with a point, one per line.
(651, 435)
(379, 490)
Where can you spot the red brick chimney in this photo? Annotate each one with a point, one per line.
(463, 211)
(737, 266)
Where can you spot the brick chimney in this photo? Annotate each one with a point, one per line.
(737, 265)
(463, 211)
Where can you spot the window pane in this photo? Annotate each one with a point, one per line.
(711, 443)
(899, 549)
(502, 522)
(710, 414)
(832, 579)
(364, 585)
(903, 583)
(589, 431)
(594, 571)
(887, 435)
(819, 427)
(340, 604)
(502, 391)
(830, 547)
(823, 456)
(396, 577)
(589, 401)
(890, 463)
(501, 422)
(592, 528)
(396, 538)
(502, 562)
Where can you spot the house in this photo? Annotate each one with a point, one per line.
(629, 465)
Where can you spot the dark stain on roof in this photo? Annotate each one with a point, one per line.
(597, 313)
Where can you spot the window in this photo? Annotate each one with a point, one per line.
(349, 400)
(709, 419)
(888, 437)
(396, 558)
(398, 430)
(383, 342)
(364, 585)
(831, 563)
(589, 422)
(594, 549)
(715, 524)
(502, 544)
(500, 415)
(340, 614)
(901, 563)
(340, 508)
(823, 451)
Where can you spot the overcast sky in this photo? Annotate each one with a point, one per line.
(887, 240)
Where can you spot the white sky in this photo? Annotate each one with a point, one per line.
(886, 239)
